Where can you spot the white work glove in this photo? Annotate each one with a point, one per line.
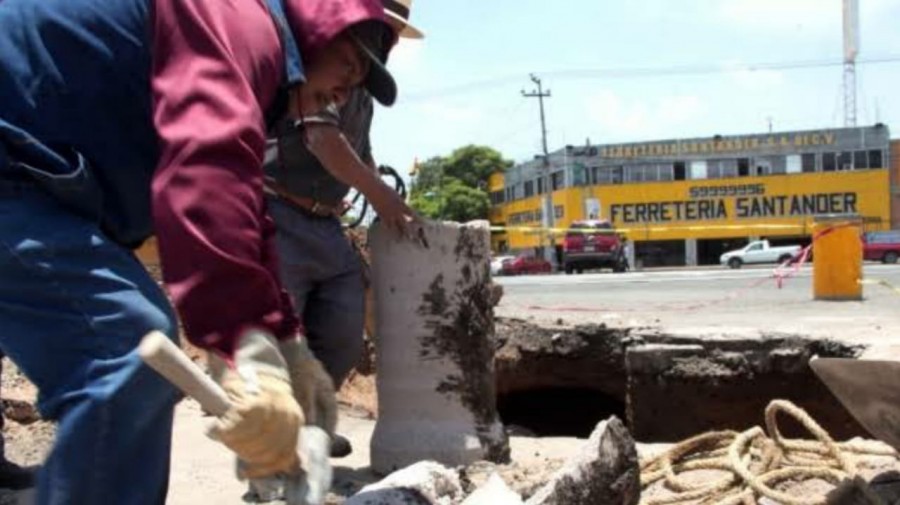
(313, 387)
(262, 426)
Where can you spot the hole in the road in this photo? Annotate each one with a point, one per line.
(555, 412)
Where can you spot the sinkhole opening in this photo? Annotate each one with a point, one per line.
(557, 412)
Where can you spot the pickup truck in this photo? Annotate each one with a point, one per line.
(759, 251)
(592, 244)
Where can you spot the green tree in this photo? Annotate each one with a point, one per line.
(464, 203)
(429, 174)
(455, 187)
(474, 164)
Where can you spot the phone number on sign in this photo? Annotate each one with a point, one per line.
(730, 190)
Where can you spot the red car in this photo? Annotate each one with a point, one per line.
(883, 246)
(593, 244)
(526, 264)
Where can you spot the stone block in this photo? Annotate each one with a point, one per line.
(604, 471)
(425, 483)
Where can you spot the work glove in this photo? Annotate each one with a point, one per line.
(263, 423)
(314, 390)
(313, 387)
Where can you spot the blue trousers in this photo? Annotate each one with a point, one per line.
(73, 307)
(323, 274)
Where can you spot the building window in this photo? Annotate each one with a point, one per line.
(557, 180)
(829, 162)
(665, 172)
(529, 188)
(860, 160)
(497, 197)
(793, 164)
(680, 170)
(540, 185)
(634, 173)
(743, 165)
(617, 174)
(558, 212)
(845, 161)
(769, 165)
(875, 159)
(722, 169)
(808, 162)
(699, 169)
(579, 175)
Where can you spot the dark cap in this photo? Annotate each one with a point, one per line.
(374, 39)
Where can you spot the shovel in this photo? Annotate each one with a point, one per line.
(868, 389)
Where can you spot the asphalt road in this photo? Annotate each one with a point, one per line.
(708, 299)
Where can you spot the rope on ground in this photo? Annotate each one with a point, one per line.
(754, 462)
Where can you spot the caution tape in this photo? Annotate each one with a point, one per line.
(880, 282)
(535, 230)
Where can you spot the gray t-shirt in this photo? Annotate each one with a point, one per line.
(290, 164)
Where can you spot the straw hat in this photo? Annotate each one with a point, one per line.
(399, 11)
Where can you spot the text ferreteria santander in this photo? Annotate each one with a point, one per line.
(708, 203)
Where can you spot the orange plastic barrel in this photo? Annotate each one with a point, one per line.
(837, 257)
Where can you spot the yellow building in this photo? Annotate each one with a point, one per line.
(686, 201)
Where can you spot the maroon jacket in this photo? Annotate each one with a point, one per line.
(216, 69)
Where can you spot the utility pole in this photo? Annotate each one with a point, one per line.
(547, 214)
(851, 49)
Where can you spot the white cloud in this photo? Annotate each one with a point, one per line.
(626, 120)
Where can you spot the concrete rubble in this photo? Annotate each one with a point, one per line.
(494, 492)
(606, 470)
(424, 483)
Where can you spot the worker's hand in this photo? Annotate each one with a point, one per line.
(264, 421)
(312, 386)
(393, 211)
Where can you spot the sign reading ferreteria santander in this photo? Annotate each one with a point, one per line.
(749, 143)
(734, 201)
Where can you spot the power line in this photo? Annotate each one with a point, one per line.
(638, 72)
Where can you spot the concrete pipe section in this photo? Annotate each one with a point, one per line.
(434, 348)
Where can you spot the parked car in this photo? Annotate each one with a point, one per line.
(593, 244)
(760, 251)
(526, 264)
(497, 263)
(883, 246)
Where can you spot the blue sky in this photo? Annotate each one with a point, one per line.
(463, 83)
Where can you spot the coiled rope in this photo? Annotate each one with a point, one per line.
(754, 463)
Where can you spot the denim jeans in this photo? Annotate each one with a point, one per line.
(323, 274)
(73, 307)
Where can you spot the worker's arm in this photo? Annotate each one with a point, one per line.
(330, 146)
(216, 66)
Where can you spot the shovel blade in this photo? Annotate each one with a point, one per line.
(868, 389)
